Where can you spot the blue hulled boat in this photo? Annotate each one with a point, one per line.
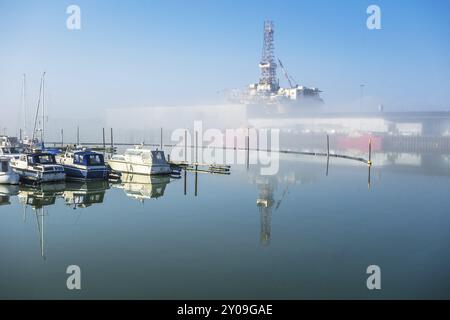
(84, 165)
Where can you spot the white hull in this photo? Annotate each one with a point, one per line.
(38, 176)
(128, 167)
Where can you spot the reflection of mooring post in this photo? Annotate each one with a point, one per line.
(185, 147)
(368, 179)
(161, 134)
(185, 182)
(42, 233)
(370, 153)
(196, 181)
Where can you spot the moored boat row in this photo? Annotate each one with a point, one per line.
(41, 166)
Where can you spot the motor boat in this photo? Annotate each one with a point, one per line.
(38, 167)
(140, 161)
(7, 175)
(84, 165)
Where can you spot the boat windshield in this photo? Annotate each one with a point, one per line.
(95, 159)
(158, 157)
(42, 159)
(89, 159)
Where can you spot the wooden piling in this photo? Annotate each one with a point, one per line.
(161, 134)
(112, 141)
(328, 146)
(185, 146)
(247, 142)
(196, 147)
(62, 137)
(104, 142)
(78, 135)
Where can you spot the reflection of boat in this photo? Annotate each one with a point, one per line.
(41, 196)
(6, 191)
(140, 161)
(38, 198)
(84, 165)
(143, 187)
(7, 175)
(84, 194)
(38, 167)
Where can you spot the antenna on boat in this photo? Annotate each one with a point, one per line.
(24, 102)
(37, 109)
(43, 108)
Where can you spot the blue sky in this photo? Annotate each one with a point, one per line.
(144, 53)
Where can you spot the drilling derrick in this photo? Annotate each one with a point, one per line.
(268, 81)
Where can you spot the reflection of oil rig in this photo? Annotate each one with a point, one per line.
(267, 203)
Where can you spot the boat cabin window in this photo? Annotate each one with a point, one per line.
(89, 159)
(41, 159)
(95, 159)
(3, 166)
(158, 157)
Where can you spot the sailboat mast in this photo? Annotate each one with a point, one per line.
(24, 103)
(37, 112)
(43, 108)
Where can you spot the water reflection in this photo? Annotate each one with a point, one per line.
(6, 192)
(38, 198)
(85, 194)
(141, 187)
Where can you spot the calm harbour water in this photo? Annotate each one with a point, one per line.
(300, 234)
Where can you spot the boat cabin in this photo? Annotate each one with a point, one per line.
(145, 156)
(38, 158)
(88, 159)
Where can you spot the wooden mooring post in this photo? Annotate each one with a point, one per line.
(104, 142)
(112, 140)
(185, 146)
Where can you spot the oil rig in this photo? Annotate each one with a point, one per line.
(268, 90)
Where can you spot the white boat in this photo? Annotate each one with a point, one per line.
(38, 167)
(140, 161)
(9, 152)
(10, 147)
(7, 175)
